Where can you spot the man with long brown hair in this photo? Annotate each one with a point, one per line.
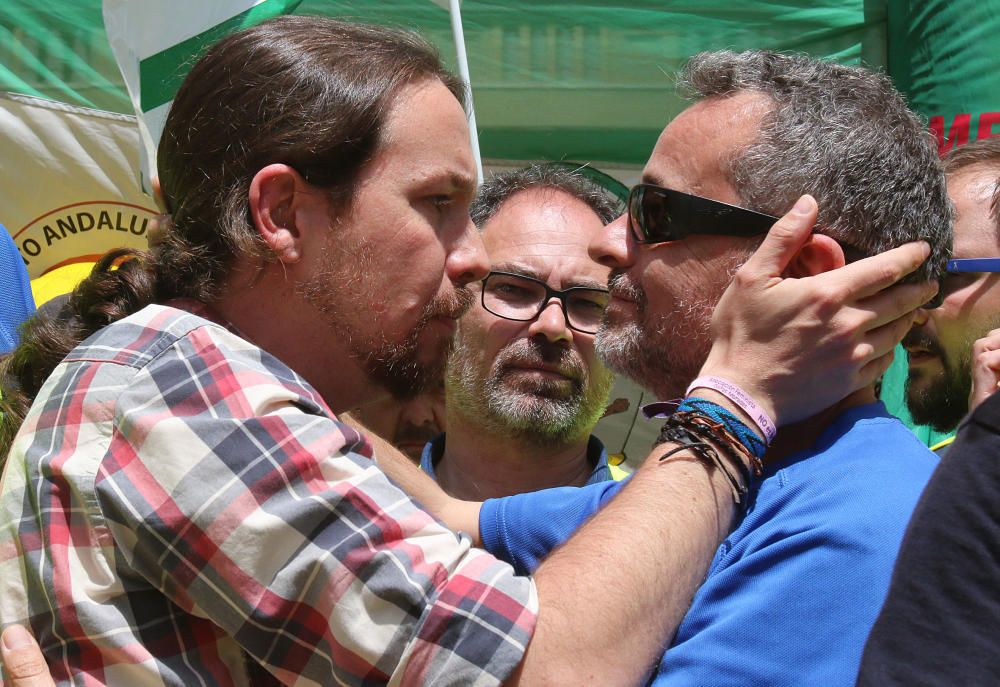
(181, 506)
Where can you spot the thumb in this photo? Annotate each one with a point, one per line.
(784, 239)
(23, 660)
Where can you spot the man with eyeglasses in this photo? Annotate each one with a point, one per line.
(942, 345)
(941, 620)
(524, 387)
(794, 590)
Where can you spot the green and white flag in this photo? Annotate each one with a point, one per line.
(156, 43)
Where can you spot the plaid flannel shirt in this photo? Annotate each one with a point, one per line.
(180, 508)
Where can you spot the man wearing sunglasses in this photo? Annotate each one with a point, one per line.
(794, 590)
(941, 344)
(524, 387)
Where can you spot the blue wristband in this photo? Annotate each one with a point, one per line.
(746, 436)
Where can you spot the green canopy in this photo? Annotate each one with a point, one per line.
(551, 80)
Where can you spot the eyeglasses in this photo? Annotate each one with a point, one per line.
(520, 298)
(953, 280)
(973, 265)
(657, 214)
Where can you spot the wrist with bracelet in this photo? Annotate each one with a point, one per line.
(718, 438)
(742, 400)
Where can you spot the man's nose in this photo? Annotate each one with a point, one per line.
(467, 261)
(613, 246)
(551, 322)
(419, 412)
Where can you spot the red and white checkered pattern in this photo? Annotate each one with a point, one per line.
(180, 508)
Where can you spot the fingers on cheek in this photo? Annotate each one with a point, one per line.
(830, 302)
(863, 353)
(847, 327)
(873, 370)
(898, 328)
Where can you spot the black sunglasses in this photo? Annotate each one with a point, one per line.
(657, 214)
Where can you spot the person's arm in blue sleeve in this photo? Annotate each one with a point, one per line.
(524, 529)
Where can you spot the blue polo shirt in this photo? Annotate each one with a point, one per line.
(597, 456)
(793, 592)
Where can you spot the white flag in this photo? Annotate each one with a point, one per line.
(156, 42)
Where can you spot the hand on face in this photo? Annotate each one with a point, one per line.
(799, 345)
(985, 368)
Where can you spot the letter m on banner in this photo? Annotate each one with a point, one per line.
(958, 134)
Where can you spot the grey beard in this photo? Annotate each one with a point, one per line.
(539, 415)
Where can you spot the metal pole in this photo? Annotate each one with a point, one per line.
(455, 11)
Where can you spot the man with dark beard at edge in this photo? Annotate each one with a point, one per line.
(941, 620)
(947, 343)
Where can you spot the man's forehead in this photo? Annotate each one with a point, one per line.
(972, 191)
(693, 151)
(542, 215)
(426, 138)
(539, 230)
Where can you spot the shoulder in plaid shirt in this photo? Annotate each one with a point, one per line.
(180, 508)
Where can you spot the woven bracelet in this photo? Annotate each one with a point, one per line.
(688, 436)
(746, 436)
(742, 399)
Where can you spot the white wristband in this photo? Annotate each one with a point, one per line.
(740, 398)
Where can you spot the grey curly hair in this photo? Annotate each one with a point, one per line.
(845, 136)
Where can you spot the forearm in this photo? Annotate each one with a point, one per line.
(629, 572)
(458, 515)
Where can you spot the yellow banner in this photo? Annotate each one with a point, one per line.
(69, 186)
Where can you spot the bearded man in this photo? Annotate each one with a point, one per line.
(524, 387)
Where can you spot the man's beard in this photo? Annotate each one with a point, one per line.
(944, 400)
(544, 411)
(397, 366)
(400, 367)
(661, 352)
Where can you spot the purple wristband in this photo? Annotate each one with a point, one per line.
(740, 398)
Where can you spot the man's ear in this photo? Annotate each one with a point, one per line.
(818, 254)
(275, 193)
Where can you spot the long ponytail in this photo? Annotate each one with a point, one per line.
(121, 283)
